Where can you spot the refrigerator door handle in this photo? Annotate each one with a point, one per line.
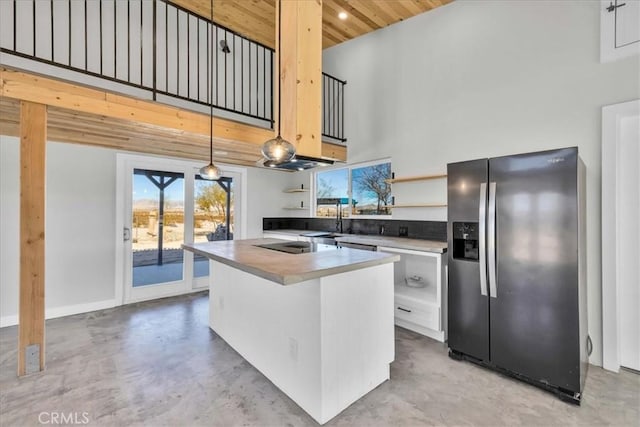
(491, 241)
(481, 238)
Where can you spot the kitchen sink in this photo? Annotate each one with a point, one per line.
(324, 237)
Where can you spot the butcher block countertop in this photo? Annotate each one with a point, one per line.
(285, 268)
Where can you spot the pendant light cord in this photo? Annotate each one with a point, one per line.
(210, 89)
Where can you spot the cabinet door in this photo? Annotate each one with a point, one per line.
(620, 29)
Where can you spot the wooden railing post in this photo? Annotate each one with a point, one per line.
(33, 136)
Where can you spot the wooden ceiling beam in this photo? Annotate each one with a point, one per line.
(30, 87)
(301, 75)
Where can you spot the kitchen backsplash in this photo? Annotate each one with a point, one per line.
(426, 230)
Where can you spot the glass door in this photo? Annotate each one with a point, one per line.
(157, 227)
(157, 198)
(161, 204)
(213, 218)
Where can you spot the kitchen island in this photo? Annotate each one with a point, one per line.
(318, 324)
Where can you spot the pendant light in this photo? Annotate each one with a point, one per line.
(210, 172)
(278, 149)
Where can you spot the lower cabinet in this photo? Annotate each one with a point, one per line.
(420, 292)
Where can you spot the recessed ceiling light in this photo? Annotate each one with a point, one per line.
(343, 15)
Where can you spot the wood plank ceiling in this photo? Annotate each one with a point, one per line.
(255, 19)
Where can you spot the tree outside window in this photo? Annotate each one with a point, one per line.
(363, 189)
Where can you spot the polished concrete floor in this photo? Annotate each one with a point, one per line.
(157, 363)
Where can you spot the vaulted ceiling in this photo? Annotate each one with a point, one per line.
(255, 19)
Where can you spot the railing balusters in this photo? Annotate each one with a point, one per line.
(253, 72)
(52, 35)
(101, 46)
(155, 49)
(215, 49)
(242, 75)
(15, 12)
(333, 108)
(86, 42)
(69, 33)
(33, 7)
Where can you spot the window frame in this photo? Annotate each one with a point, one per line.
(349, 168)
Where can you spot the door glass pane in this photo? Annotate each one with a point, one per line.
(213, 216)
(158, 227)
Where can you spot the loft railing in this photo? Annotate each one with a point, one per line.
(333, 107)
(155, 46)
(146, 44)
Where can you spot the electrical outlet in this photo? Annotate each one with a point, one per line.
(221, 303)
(293, 349)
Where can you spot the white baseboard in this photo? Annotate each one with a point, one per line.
(67, 310)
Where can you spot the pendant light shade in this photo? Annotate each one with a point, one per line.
(210, 172)
(278, 149)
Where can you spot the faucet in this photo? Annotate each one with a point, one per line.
(339, 216)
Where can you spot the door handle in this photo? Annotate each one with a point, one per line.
(126, 234)
(491, 241)
(482, 211)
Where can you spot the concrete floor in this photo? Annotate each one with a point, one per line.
(157, 363)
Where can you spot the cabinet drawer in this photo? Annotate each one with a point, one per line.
(428, 317)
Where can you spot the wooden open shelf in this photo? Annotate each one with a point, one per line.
(415, 178)
(419, 205)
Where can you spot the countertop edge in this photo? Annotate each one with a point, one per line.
(292, 279)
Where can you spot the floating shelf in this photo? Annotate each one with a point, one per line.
(300, 189)
(296, 190)
(415, 178)
(419, 205)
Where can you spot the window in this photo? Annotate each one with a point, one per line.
(357, 190)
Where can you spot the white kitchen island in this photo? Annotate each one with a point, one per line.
(319, 325)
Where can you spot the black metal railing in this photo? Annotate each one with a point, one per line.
(158, 47)
(333, 108)
(147, 44)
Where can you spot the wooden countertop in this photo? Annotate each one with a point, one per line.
(285, 268)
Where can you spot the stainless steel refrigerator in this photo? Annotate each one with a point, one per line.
(517, 273)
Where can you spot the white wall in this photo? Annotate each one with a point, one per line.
(9, 228)
(267, 199)
(479, 79)
(80, 225)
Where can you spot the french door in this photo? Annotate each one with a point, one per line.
(163, 204)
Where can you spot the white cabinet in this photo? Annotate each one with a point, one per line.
(619, 29)
(420, 302)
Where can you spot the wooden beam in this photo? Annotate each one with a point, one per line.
(301, 74)
(30, 87)
(33, 137)
(334, 152)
